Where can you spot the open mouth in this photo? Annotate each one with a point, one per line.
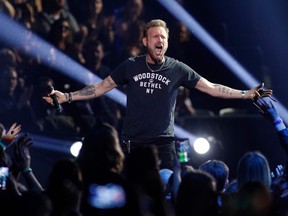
(158, 49)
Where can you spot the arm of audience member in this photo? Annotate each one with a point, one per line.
(8, 138)
(267, 108)
(219, 90)
(279, 182)
(88, 92)
(176, 175)
(22, 160)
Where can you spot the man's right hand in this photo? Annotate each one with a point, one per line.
(61, 97)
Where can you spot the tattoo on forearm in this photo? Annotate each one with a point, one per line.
(224, 89)
(87, 91)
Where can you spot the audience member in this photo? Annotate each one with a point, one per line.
(60, 35)
(15, 107)
(25, 14)
(65, 188)
(128, 21)
(7, 58)
(219, 170)
(76, 51)
(182, 46)
(253, 166)
(21, 164)
(142, 172)
(19, 161)
(197, 195)
(269, 111)
(105, 190)
(253, 199)
(132, 45)
(99, 25)
(52, 11)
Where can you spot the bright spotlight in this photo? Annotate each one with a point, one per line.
(75, 148)
(201, 145)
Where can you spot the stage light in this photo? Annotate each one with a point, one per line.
(56, 145)
(75, 148)
(201, 145)
(196, 29)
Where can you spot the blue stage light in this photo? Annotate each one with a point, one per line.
(196, 29)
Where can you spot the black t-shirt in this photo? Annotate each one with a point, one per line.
(151, 96)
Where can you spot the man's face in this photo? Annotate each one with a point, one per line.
(156, 43)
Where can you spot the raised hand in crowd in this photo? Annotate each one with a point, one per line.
(22, 163)
(21, 155)
(279, 181)
(8, 137)
(267, 108)
(269, 111)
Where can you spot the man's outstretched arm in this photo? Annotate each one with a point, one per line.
(222, 91)
(88, 92)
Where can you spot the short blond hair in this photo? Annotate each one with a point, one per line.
(155, 23)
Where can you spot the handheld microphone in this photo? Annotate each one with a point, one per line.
(54, 98)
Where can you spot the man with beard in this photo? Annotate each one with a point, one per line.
(152, 83)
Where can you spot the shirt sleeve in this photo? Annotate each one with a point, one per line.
(190, 77)
(119, 74)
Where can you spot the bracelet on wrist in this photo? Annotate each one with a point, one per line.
(66, 96)
(243, 93)
(70, 97)
(2, 146)
(278, 121)
(26, 170)
(279, 125)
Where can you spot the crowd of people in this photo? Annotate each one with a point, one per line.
(102, 180)
(105, 179)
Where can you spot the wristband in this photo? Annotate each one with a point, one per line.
(279, 125)
(66, 96)
(243, 92)
(278, 121)
(26, 170)
(2, 146)
(69, 97)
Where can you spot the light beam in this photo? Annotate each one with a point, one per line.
(195, 28)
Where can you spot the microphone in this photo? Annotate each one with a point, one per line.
(50, 88)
